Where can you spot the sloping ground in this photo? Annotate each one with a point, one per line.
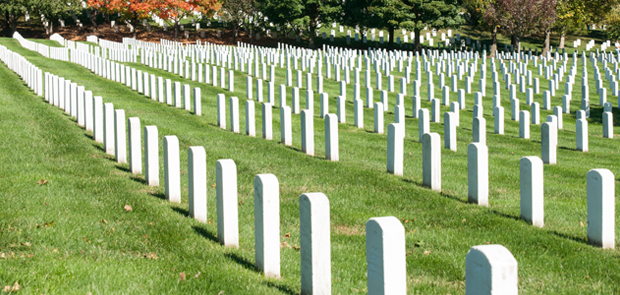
(440, 228)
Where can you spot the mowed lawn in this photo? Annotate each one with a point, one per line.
(74, 235)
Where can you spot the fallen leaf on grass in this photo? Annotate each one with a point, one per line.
(27, 244)
(287, 235)
(104, 221)
(151, 255)
(220, 293)
(427, 252)
(128, 208)
(296, 247)
(50, 224)
(198, 274)
(12, 289)
(182, 276)
(42, 182)
(581, 223)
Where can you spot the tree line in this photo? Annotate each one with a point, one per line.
(515, 19)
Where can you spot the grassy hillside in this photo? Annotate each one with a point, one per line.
(146, 250)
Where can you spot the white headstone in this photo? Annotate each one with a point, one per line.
(172, 168)
(532, 192)
(307, 132)
(314, 227)
(491, 270)
(385, 256)
(197, 183)
(395, 145)
(478, 173)
(286, 133)
(227, 212)
(151, 155)
(267, 121)
(601, 208)
(135, 145)
(267, 224)
(331, 137)
(431, 161)
(108, 129)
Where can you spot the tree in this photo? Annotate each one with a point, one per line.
(521, 18)
(431, 13)
(175, 10)
(131, 11)
(11, 11)
(572, 17)
(477, 10)
(380, 14)
(236, 12)
(300, 15)
(53, 9)
(613, 24)
(316, 12)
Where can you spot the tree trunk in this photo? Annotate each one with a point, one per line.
(176, 28)
(494, 42)
(93, 19)
(391, 37)
(562, 39)
(514, 41)
(251, 34)
(547, 41)
(235, 31)
(51, 27)
(418, 46)
(135, 27)
(312, 34)
(518, 43)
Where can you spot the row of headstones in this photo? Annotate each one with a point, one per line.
(58, 53)
(144, 83)
(32, 75)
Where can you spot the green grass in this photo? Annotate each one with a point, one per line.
(84, 254)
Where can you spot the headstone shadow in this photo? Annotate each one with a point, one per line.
(570, 237)
(97, 146)
(453, 197)
(200, 230)
(502, 214)
(567, 148)
(139, 179)
(293, 148)
(242, 261)
(124, 169)
(159, 195)
(282, 288)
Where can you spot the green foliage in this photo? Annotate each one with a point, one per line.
(300, 15)
(613, 24)
(412, 15)
(11, 11)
